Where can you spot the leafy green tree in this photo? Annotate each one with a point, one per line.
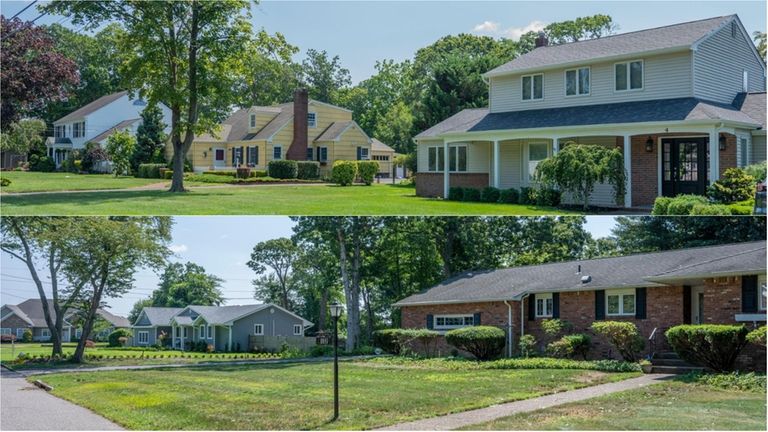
(270, 73)
(576, 168)
(150, 138)
(279, 257)
(581, 28)
(324, 75)
(760, 39)
(187, 284)
(187, 54)
(120, 147)
(23, 137)
(137, 307)
(395, 128)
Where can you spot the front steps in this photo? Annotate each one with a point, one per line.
(671, 363)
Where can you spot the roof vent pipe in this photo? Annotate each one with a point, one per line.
(578, 269)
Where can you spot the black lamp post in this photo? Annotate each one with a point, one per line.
(336, 310)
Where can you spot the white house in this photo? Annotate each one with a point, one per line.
(96, 121)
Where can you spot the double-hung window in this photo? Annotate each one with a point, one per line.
(210, 331)
(620, 302)
(628, 75)
(60, 131)
(258, 329)
(457, 160)
(537, 152)
(533, 87)
(45, 333)
(143, 337)
(743, 151)
(202, 332)
(762, 292)
(312, 120)
(253, 121)
(5, 331)
(436, 159)
(362, 153)
(184, 332)
(322, 154)
(310, 154)
(544, 305)
(577, 82)
(444, 322)
(252, 156)
(277, 152)
(297, 329)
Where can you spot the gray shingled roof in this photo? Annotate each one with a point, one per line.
(334, 131)
(668, 38)
(753, 105)
(20, 313)
(226, 314)
(161, 316)
(116, 320)
(91, 107)
(120, 126)
(614, 272)
(379, 146)
(660, 110)
(31, 311)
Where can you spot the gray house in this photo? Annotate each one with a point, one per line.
(226, 328)
(682, 103)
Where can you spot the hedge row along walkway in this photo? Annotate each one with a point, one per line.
(468, 418)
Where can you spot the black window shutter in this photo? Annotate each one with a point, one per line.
(749, 294)
(359, 153)
(640, 303)
(234, 155)
(476, 319)
(256, 149)
(599, 304)
(430, 321)
(555, 305)
(247, 155)
(532, 307)
(242, 153)
(686, 304)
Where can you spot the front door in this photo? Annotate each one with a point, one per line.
(219, 159)
(684, 166)
(697, 305)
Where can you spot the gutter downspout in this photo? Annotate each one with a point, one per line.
(522, 314)
(509, 332)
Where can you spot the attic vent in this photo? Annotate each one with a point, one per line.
(586, 279)
(734, 29)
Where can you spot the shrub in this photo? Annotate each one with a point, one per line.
(734, 185)
(757, 171)
(622, 335)
(283, 169)
(682, 205)
(321, 351)
(114, 337)
(426, 338)
(554, 327)
(490, 194)
(712, 345)
(367, 171)
(483, 342)
(150, 170)
(5, 181)
(570, 346)
(471, 195)
(757, 336)
(120, 148)
(258, 173)
(389, 340)
(41, 163)
(710, 210)
(509, 196)
(548, 197)
(168, 174)
(26, 336)
(243, 173)
(527, 196)
(455, 193)
(661, 206)
(742, 208)
(730, 381)
(306, 170)
(226, 173)
(527, 345)
(93, 155)
(343, 172)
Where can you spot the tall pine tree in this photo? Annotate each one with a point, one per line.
(150, 138)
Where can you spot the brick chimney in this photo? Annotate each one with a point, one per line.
(541, 40)
(298, 149)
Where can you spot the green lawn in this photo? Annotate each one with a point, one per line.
(310, 200)
(299, 396)
(666, 406)
(22, 181)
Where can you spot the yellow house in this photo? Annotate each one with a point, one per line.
(384, 155)
(300, 130)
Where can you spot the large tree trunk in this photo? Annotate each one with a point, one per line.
(352, 299)
(323, 313)
(90, 315)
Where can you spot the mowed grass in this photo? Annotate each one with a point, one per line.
(22, 181)
(305, 200)
(299, 396)
(667, 406)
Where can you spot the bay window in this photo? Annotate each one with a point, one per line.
(620, 302)
(577, 82)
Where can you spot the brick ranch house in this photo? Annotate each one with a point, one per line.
(716, 284)
(682, 103)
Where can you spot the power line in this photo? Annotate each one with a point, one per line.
(25, 8)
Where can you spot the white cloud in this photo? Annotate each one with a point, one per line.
(487, 27)
(514, 33)
(178, 248)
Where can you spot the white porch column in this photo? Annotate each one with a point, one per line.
(173, 335)
(555, 145)
(628, 170)
(714, 155)
(213, 329)
(446, 174)
(230, 339)
(496, 164)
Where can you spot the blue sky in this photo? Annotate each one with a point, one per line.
(361, 32)
(221, 244)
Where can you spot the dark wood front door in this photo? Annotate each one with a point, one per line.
(683, 166)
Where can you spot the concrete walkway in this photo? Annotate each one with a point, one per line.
(24, 406)
(468, 418)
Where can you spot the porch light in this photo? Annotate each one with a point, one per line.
(722, 141)
(649, 144)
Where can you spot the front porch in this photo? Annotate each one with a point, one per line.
(184, 336)
(662, 160)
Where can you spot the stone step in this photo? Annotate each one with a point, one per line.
(669, 362)
(676, 370)
(669, 355)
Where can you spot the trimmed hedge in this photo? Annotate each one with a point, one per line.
(283, 169)
(389, 340)
(114, 337)
(506, 364)
(751, 381)
(509, 196)
(149, 170)
(367, 171)
(307, 170)
(757, 336)
(455, 193)
(490, 194)
(527, 196)
(548, 197)
(570, 346)
(622, 335)
(713, 345)
(344, 172)
(710, 210)
(471, 195)
(483, 342)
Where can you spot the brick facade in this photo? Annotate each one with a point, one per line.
(431, 184)
(728, 156)
(645, 171)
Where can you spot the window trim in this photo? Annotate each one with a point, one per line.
(761, 300)
(313, 123)
(300, 332)
(527, 161)
(320, 151)
(437, 159)
(310, 153)
(451, 327)
(745, 81)
(621, 293)
(544, 297)
(201, 331)
(45, 332)
(273, 152)
(447, 160)
(628, 63)
(565, 82)
(139, 338)
(5, 331)
(20, 332)
(260, 332)
(365, 153)
(532, 77)
(252, 121)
